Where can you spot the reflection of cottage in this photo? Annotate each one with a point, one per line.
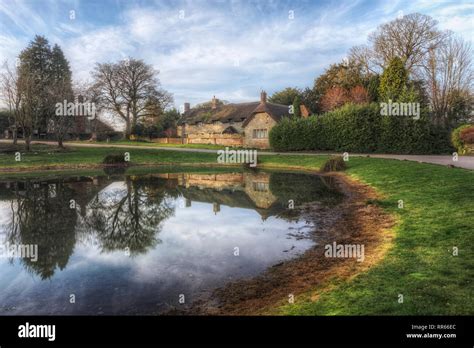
(236, 124)
(257, 187)
(243, 190)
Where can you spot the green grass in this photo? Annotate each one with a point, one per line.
(438, 215)
(47, 157)
(44, 156)
(154, 144)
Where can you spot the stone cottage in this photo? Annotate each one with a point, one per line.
(235, 124)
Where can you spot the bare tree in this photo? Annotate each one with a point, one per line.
(10, 96)
(448, 70)
(19, 91)
(363, 55)
(127, 88)
(409, 38)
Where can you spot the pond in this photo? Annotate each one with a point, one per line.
(149, 243)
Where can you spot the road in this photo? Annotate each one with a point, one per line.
(466, 162)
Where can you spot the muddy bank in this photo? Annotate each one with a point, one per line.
(354, 221)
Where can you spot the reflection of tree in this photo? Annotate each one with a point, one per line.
(41, 215)
(304, 188)
(130, 218)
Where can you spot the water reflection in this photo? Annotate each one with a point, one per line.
(181, 227)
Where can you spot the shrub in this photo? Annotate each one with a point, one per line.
(334, 164)
(467, 135)
(462, 136)
(360, 128)
(115, 159)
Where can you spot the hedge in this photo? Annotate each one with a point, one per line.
(360, 128)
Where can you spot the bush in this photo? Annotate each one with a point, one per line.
(334, 164)
(360, 128)
(115, 159)
(462, 136)
(467, 135)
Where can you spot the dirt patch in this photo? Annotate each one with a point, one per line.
(354, 221)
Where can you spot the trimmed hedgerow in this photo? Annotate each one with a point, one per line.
(360, 128)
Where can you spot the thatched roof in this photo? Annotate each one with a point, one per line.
(235, 112)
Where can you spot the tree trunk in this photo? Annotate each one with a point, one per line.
(15, 136)
(128, 129)
(60, 143)
(28, 142)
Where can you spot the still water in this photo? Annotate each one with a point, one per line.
(144, 244)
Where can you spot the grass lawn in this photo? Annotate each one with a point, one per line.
(47, 157)
(150, 143)
(438, 215)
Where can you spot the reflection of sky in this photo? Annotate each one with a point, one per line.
(5, 213)
(196, 254)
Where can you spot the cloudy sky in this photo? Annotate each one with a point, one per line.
(231, 49)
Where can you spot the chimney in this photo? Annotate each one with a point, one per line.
(187, 107)
(214, 103)
(263, 97)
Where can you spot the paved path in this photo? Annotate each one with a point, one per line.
(466, 162)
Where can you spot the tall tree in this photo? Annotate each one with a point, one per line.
(11, 97)
(127, 88)
(449, 77)
(393, 81)
(409, 38)
(34, 75)
(60, 91)
(41, 79)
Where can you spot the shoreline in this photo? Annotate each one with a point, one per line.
(310, 274)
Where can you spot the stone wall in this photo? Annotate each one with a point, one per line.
(259, 121)
(169, 140)
(216, 139)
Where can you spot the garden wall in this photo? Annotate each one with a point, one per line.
(217, 139)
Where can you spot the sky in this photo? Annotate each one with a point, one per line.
(227, 48)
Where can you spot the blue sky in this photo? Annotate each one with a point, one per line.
(231, 49)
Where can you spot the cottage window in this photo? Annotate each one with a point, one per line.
(260, 186)
(260, 134)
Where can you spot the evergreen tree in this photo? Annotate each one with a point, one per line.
(45, 79)
(34, 75)
(60, 89)
(373, 87)
(394, 81)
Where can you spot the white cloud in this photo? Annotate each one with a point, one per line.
(229, 49)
